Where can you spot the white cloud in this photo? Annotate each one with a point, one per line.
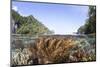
(15, 8)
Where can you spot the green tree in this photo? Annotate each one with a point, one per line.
(90, 25)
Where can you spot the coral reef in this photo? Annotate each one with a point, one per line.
(56, 49)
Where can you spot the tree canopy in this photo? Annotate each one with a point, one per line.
(90, 26)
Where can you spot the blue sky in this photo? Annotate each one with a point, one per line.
(62, 19)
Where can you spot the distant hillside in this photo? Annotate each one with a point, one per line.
(28, 25)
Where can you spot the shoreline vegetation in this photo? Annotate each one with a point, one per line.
(32, 43)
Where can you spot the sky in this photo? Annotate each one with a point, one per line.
(61, 18)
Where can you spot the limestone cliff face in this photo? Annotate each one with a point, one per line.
(12, 26)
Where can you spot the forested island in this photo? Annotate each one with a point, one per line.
(28, 25)
(90, 25)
